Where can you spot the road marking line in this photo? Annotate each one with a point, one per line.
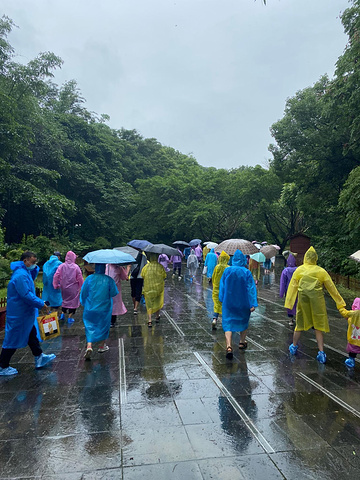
(330, 395)
(334, 349)
(270, 319)
(248, 422)
(194, 301)
(122, 375)
(256, 344)
(173, 323)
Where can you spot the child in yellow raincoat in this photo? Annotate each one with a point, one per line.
(154, 276)
(254, 268)
(223, 261)
(353, 333)
(307, 282)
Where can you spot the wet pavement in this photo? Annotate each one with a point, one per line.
(165, 402)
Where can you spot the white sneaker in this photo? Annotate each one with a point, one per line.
(213, 323)
(179, 277)
(103, 349)
(88, 353)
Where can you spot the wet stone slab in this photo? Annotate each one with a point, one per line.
(156, 411)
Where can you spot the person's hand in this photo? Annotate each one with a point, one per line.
(252, 309)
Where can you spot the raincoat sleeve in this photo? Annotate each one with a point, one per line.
(283, 284)
(251, 290)
(113, 288)
(345, 313)
(335, 295)
(84, 291)
(222, 287)
(57, 277)
(24, 291)
(123, 274)
(79, 277)
(292, 292)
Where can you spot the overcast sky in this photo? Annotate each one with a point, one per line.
(206, 77)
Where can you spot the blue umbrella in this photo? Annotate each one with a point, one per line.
(258, 257)
(139, 244)
(109, 256)
(195, 242)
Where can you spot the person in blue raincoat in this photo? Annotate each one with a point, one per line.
(238, 296)
(96, 296)
(50, 294)
(22, 304)
(210, 262)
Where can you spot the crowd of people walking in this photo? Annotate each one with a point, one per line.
(234, 281)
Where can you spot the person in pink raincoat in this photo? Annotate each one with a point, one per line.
(117, 273)
(69, 279)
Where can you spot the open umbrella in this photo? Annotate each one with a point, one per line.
(211, 245)
(230, 246)
(139, 244)
(195, 242)
(161, 248)
(107, 255)
(126, 249)
(181, 243)
(269, 251)
(258, 257)
(355, 256)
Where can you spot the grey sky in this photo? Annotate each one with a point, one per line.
(207, 77)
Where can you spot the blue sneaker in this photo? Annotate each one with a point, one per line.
(293, 349)
(43, 359)
(350, 362)
(62, 316)
(321, 357)
(8, 371)
(70, 320)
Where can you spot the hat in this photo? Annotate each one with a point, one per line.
(58, 254)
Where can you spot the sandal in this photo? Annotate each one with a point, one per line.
(243, 345)
(229, 352)
(149, 324)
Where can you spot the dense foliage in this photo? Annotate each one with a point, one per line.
(67, 180)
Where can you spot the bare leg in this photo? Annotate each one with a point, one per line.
(243, 336)
(320, 339)
(228, 336)
(136, 304)
(89, 345)
(149, 320)
(296, 338)
(102, 344)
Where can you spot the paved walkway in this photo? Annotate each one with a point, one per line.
(165, 403)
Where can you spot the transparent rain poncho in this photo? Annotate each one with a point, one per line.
(307, 283)
(223, 261)
(154, 275)
(237, 294)
(96, 297)
(50, 294)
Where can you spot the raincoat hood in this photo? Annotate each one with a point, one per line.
(100, 268)
(70, 257)
(310, 257)
(224, 258)
(239, 259)
(291, 261)
(212, 250)
(356, 304)
(153, 257)
(18, 264)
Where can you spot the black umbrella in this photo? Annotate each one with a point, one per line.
(160, 248)
(181, 243)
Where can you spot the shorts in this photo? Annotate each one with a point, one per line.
(136, 285)
(68, 310)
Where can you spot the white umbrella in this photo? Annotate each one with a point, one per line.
(355, 256)
(211, 245)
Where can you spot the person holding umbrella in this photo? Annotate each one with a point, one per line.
(192, 264)
(216, 277)
(238, 297)
(176, 261)
(96, 297)
(118, 273)
(154, 276)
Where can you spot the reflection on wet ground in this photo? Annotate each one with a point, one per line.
(166, 403)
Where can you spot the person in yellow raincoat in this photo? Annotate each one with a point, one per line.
(307, 282)
(223, 261)
(154, 276)
(254, 268)
(353, 332)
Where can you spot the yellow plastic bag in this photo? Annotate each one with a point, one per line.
(49, 326)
